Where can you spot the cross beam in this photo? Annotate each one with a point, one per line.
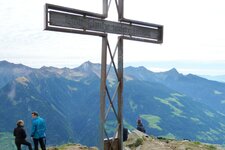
(78, 21)
(63, 19)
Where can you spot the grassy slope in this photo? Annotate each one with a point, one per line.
(7, 141)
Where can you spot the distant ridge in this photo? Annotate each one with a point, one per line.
(219, 78)
(169, 103)
(88, 66)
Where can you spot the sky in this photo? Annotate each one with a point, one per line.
(194, 35)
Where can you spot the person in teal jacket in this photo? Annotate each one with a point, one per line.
(38, 131)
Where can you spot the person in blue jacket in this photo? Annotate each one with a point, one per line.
(38, 131)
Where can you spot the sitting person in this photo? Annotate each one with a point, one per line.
(125, 134)
(140, 126)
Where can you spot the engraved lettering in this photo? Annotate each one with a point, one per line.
(101, 26)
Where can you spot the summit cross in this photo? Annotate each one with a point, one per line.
(70, 20)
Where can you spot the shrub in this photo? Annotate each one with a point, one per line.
(211, 147)
(138, 142)
(197, 143)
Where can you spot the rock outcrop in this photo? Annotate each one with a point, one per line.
(141, 141)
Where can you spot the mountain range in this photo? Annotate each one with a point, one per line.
(169, 103)
(219, 78)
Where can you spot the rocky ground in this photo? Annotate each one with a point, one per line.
(72, 147)
(139, 141)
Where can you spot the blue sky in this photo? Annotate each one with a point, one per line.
(194, 35)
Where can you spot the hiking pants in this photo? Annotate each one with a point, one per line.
(22, 142)
(42, 142)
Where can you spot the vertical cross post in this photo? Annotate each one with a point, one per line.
(120, 93)
(120, 76)
(105, 8)
(120, 9)
(103, 92)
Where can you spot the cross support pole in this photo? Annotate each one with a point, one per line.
(105, 8)
(120, 93)
(120, 10)
(103, 91)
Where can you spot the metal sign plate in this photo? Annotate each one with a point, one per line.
(102, 26)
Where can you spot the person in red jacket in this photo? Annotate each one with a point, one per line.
(20, 136)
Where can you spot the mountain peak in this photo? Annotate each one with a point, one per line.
(86, 65)
(172, 72)
(4, 62)
(140, 73)
(50, 69)
(89, 66)
(7, 64)
(140, 68)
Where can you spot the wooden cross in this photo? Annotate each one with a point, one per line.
(63, 19)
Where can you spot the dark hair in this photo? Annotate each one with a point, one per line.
(139, 122)
(35, 113)
(20, 123)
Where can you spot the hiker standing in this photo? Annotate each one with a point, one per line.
(20, 136)
(38, 131)
(140, 126)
